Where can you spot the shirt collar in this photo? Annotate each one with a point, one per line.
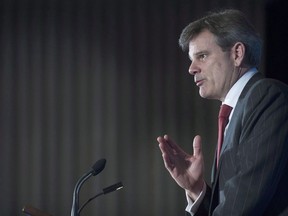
(234, 93)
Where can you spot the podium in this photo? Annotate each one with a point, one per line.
(32, 211)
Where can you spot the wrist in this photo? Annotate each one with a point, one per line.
(196, 191)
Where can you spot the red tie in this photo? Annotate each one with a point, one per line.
(223, 119)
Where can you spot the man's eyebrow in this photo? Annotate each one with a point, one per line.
(199, 53)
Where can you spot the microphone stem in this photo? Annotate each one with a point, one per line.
(106, 190)
(89, 200)
(75, 205)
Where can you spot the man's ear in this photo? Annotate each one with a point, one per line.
(238, 51)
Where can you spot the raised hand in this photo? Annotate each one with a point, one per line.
(187, 170)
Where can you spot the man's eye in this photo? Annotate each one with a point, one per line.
(202, 56)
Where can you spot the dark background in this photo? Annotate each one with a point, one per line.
(83, 80)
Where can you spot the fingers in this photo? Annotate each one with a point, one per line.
(166, 152)
(173, 145)
(197, 151)
(165, 146)
(164, 141)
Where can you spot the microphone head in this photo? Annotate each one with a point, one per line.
(112, 188)
(98, 166)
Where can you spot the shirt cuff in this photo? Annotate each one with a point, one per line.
(192, 207)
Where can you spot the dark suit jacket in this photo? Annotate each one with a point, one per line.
(252, 178)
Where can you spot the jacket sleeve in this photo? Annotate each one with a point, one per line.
(203, 208)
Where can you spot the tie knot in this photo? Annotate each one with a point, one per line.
(225, 111)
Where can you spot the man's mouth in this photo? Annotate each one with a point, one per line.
(199, 82)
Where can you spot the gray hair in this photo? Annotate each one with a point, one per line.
(229, 27)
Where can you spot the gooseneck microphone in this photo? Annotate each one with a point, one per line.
(106, 190)
(96, 169)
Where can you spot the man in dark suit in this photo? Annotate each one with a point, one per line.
(250, 174)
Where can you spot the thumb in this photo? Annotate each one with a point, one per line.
(197, 151)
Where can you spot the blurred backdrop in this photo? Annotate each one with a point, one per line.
(82, 80)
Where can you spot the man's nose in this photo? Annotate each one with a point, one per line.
(193, 69)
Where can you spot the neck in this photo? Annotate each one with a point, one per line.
(239, 73)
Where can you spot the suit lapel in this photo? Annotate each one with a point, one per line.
(215, 172)
(237, 110)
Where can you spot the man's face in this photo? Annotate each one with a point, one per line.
(212, 68)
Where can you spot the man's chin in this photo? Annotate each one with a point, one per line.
(205, 95)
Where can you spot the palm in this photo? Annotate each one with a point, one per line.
(187, 170)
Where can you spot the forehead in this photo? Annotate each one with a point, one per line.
(204, 41)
